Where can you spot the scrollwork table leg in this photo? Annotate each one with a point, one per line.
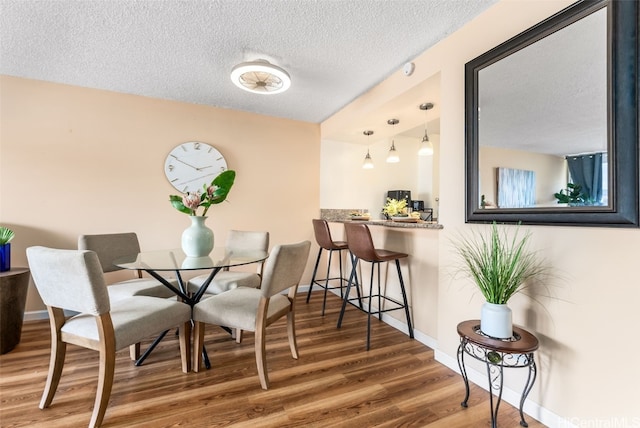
(494, 374)
(463, 371)
(527, 387)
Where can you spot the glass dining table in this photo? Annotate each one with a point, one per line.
(175, 261)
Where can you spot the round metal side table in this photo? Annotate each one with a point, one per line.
(515, 352)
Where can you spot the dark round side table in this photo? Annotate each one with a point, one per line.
(14, 284)
(515, 352)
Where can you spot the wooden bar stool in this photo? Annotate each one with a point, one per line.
(361, 246)
(324, 240)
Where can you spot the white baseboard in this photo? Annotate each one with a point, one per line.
(36, 315)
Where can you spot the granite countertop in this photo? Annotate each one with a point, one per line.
(343, 216)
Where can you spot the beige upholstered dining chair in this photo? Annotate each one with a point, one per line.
(73, 280)
(254, 309)
(237, 240)
(111, 246)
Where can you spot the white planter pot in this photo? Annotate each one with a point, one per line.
(496, 320)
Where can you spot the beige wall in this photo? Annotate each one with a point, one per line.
(77, 160)
(81, 161)
(587, 370)
(344, 184)
(551, 172)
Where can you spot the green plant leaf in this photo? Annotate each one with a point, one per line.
(223, 183)
(6, 235)
(176, 201)
(221, 186)
(499, 264)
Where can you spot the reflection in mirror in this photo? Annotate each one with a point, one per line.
(545, 134)
(540, 105)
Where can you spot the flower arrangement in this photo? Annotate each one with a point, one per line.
(395, 208)
(211, 194)
(6, 235)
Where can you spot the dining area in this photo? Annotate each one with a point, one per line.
(119, 316)
(233, 338)
(109, 295)
(334, 382)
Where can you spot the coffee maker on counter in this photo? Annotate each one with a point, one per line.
(426, 214)
(399, 195)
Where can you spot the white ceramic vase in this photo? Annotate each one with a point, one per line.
(496, 320)
(197, 239)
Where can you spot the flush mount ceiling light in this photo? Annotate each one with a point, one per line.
(393, 157)
(368, 162)
(426, 147)
(260, 77)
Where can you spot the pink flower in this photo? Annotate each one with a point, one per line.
(214, 193)
(191, 201)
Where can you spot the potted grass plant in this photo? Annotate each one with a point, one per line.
(6, 235)
(501, 264)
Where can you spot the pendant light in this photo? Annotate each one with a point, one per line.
(393, 157)
(426, 147)
(368, 162)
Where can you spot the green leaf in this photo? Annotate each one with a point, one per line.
(6, 235)
(223, 183)
(176, 201)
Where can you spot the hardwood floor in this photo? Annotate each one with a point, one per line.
(335, 383)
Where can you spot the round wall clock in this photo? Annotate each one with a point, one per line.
(193, 164)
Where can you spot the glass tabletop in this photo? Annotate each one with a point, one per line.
(176, 259)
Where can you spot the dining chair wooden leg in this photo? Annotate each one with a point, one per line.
(185, 346)
(58, 353)
(261, 352)
(134, 351)
(291, 331)
(198, 345)
(106, 369)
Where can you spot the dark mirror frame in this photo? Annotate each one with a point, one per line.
(623, 117)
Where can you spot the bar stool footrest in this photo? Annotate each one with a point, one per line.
(399, 305)
(330, 286)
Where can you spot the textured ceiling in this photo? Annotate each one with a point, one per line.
(334, 50)
(550, 97)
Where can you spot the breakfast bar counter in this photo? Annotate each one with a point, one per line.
(390, 223)
(343, 216)
(421, 241)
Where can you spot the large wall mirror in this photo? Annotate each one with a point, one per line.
(552, 121)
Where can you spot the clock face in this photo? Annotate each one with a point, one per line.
(191, 165)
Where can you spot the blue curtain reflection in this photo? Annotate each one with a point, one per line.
(586, 171)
